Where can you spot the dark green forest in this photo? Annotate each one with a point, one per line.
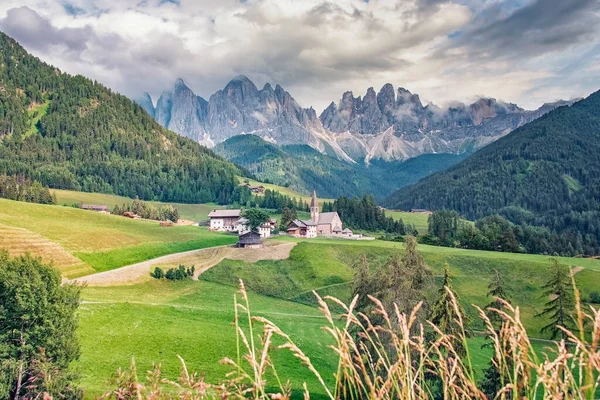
(69, 132)
(544, 174)
(304, 169)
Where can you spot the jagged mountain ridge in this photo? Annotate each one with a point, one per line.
(391, 125)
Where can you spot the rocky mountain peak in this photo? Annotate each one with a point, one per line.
(145, 101)
(391, 124)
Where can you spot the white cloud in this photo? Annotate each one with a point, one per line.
(443, 50)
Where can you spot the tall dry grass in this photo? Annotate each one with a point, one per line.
(396, 359)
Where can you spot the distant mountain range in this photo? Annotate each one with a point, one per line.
(390, 125)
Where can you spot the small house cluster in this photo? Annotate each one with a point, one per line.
(256, 189)
(319, 224)
(232, 221)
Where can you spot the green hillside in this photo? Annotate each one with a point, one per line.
(545, 173)
(327, 266)
(304, 169)
(69, 132)
(83, 242)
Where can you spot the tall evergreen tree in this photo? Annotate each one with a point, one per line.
(445, 315)
(561, 304)
(497, 291)
(493, 379)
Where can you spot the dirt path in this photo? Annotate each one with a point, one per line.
(202, 259)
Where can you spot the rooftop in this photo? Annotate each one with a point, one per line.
(224, 214)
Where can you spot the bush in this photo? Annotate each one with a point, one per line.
(180, 273)
(158, 273)
(594, 297)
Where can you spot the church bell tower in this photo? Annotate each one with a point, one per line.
(314, 208)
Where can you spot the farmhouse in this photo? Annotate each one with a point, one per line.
(259, 189)
(95, 207)
(328, 223)
(264, 230)
(250, 240)
(305, 229)
(224, 220)
(420, 211)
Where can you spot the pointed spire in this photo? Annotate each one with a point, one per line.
(314, 202)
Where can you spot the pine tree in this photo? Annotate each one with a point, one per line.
(497, 291)
(445, 314)
(561, 305)
(363, 284)
(413, 260)
(493, 381)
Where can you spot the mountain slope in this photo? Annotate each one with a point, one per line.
(304, 169)
(544, 173)
(69, 132)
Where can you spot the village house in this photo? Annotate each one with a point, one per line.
(256, 189)
(224, 220)
(420, 211)
(327, 224)
(264, 230)
(95, 207)
(259, 189)
(250, 240)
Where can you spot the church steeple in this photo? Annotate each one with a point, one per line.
(314, 207)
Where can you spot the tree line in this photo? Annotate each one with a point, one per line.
(364, 213)
(165, 212)
(497, 233)
(23, 189)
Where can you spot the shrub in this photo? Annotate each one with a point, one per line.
(180, 273)
(158, 273)
(594, 297)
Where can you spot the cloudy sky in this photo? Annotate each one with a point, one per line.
(523, 51)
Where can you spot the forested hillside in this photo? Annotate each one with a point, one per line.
(546, 173)
(304, 169)
(69, 132)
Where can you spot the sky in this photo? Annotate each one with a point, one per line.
(523, 51)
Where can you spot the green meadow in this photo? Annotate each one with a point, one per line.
(418, 220)
(326, 266)
(192, 212)
(100, 241)
(158, 320)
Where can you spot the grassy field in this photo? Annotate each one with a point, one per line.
(286, 191)
(327, 267)
(158, 320)
(155, 321)
(99, 241)
(192, 212)
(36, 114)
(418, 220)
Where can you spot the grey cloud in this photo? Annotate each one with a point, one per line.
(537, 28)
(36, 32)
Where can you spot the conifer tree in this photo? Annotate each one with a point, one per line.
(493, 381)
(497, 291)
(445, 314)
(561, 304)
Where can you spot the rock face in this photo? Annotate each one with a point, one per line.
(146, 103)
(390, 124)
(181, 111)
